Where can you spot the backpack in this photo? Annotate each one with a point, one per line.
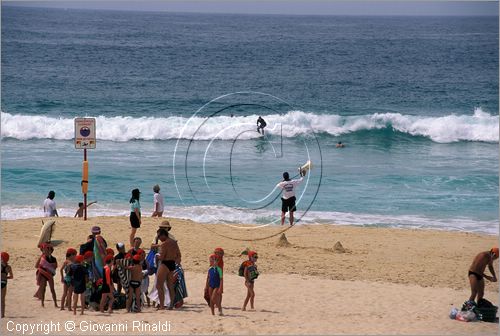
(241, 270)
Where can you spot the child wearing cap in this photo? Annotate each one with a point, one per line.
(250, 273)
(79, 277)
(476, 273)
(214, 284)
(135, 283)
(107, 285)
(6, 274)
(46, 269)
(66, 278)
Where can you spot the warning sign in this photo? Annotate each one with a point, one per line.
(84, 133)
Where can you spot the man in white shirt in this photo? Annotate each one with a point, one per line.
(288, 196)
(49, 205)
(157, 202)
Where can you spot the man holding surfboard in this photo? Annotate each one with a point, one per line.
(288, 196)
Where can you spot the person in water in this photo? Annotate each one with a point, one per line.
(339, 145)
(261, 124)
(79, 212)
(288, 197)
(476, 273)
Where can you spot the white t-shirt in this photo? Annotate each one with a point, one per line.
(289, 187)
(49, 207)
(158, 199)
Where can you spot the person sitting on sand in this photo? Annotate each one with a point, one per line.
(66, 278)
(288, 197)
(476, 273)
(157, 202)
(6, 274)
(79, 212)
(107, 286)
(250, 273)
(49, 205)
(135, 283)
(79, 280)
(170, 255)
(46, 269)
(214, 284)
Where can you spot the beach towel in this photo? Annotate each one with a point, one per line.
(99, 255)
(45, 269)
(179, 286)
(153, 295)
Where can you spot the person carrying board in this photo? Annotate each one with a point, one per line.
(288, 196)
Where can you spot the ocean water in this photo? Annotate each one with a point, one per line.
(176, 98)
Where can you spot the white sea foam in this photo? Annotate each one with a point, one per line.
(481, 126)
(222, 214)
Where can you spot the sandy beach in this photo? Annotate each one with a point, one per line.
(387, 281)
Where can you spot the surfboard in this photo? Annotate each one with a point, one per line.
(46, 232)
(306, 166)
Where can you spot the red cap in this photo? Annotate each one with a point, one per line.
(108, 258)
(251, 254)
(5, 257)
(79, 259)
(88, 254)
(109, 251)
(137, 257)
(71, 251)
(128, 256)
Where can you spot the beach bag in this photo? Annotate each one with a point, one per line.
(120, 301)
(150, 260)
(487, 310)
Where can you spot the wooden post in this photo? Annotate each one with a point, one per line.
(85, 194)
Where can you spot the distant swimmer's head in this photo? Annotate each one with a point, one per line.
(494, 251)
(156, 188)
(286, 176)
(51, 194)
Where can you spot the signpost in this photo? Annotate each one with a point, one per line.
(85, 139)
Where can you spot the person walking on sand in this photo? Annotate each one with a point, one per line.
(170, 255)
(135, 214)
(288, 197)
(46, 269)
(49, 205)
(250, 273)
(476, 273)
(157, 202)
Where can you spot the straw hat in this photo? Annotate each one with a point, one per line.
(165, 225)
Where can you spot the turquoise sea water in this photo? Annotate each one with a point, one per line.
(415, 99)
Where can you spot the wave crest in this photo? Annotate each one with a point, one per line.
(481, 126)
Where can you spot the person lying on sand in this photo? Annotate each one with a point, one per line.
(476, 273)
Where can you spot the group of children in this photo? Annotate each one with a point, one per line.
(77, 275)
(214, 286)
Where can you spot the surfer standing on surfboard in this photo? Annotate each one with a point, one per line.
(261, 124)
(288, 197)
